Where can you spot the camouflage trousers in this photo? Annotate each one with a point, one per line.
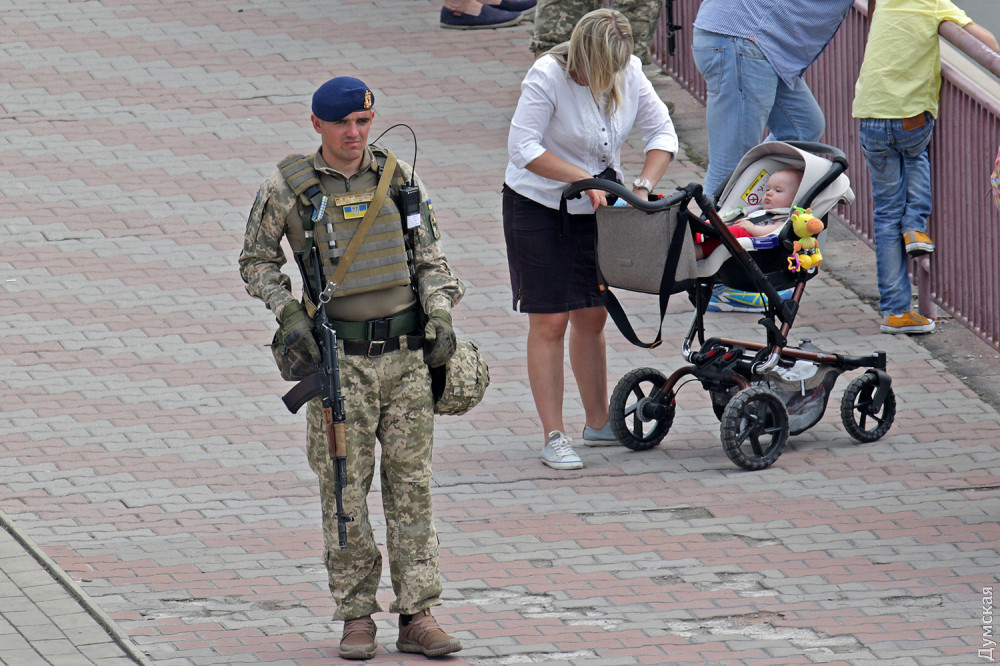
(387, 398)
(554, 21)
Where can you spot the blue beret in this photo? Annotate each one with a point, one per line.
(341, 97)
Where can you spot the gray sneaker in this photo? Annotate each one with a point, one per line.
(558, 454)
(602, 437)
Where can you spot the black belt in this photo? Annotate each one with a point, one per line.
(403, 323)
(373, 348)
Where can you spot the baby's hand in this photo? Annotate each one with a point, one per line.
(744, 224)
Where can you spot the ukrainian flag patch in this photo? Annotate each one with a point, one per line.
(355, 211)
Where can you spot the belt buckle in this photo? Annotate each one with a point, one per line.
(375, 348)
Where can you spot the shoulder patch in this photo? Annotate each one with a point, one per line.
(431, 219)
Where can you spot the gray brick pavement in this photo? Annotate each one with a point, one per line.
(46, 618)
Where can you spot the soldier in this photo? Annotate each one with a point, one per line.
(554, 21)
(385, 347)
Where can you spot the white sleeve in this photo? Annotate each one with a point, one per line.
(652, 117)
(531, 118)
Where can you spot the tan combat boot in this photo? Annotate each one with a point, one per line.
(423, 634)
(358, 641)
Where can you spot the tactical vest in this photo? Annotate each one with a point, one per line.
(331, 221)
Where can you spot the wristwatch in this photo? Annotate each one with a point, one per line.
(641, 183)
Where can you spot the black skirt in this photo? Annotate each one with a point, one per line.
(549, 274)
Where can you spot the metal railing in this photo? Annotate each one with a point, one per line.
(961, 277)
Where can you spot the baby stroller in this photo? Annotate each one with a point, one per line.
(761, 392)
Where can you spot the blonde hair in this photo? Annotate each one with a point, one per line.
(597, 53)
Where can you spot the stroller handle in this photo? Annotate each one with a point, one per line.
(692, 190)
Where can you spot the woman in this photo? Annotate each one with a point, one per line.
(579, 101)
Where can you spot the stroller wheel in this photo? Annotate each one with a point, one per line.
(720, 399)
(640, 414)
(857, 411)
(754, 428)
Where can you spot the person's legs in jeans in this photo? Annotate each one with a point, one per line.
(914, 146)
(885, 165)
(796, 115)
(741, 87)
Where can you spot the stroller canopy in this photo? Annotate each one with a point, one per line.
(745, 186)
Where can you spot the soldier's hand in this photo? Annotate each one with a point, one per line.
(297, 331)
(439, 339)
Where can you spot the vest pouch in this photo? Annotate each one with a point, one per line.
(460, 384)
(292, 365)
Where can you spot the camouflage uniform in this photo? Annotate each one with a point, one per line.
(554, 21)
(386, 397)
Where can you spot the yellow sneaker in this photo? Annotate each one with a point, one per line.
(908, 322)
(918, 243)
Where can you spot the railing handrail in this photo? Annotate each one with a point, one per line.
(961, 39)
(970, 46)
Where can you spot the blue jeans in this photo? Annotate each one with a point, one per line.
(900, 169)
(745, 96)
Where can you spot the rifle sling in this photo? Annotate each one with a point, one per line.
(366, 223)
(312, 386)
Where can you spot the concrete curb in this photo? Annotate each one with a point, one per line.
(74, 590)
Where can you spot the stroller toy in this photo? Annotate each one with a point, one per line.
(806, 227)
(761, 392)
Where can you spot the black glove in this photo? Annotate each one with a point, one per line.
(439, 339)
(297, 332)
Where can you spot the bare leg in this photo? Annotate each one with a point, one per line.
(472, 7)
(546, 335)
(588, 356)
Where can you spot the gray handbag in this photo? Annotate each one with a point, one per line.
(633, 248)
(652, 253)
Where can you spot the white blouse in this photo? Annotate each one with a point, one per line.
(556, 114)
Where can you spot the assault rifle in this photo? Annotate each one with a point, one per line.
(325, 383)
(672, 28)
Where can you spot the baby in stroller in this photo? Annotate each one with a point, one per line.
(779, 194)
(761, 392)
(822, 185)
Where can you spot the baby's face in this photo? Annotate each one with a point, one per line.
(781, 188)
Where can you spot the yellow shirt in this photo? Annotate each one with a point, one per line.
(901, 73)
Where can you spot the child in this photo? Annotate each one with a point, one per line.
(778, 198)
(896, 99)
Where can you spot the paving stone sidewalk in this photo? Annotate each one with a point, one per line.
(149, 465)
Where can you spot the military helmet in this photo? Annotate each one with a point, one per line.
(462, 384)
